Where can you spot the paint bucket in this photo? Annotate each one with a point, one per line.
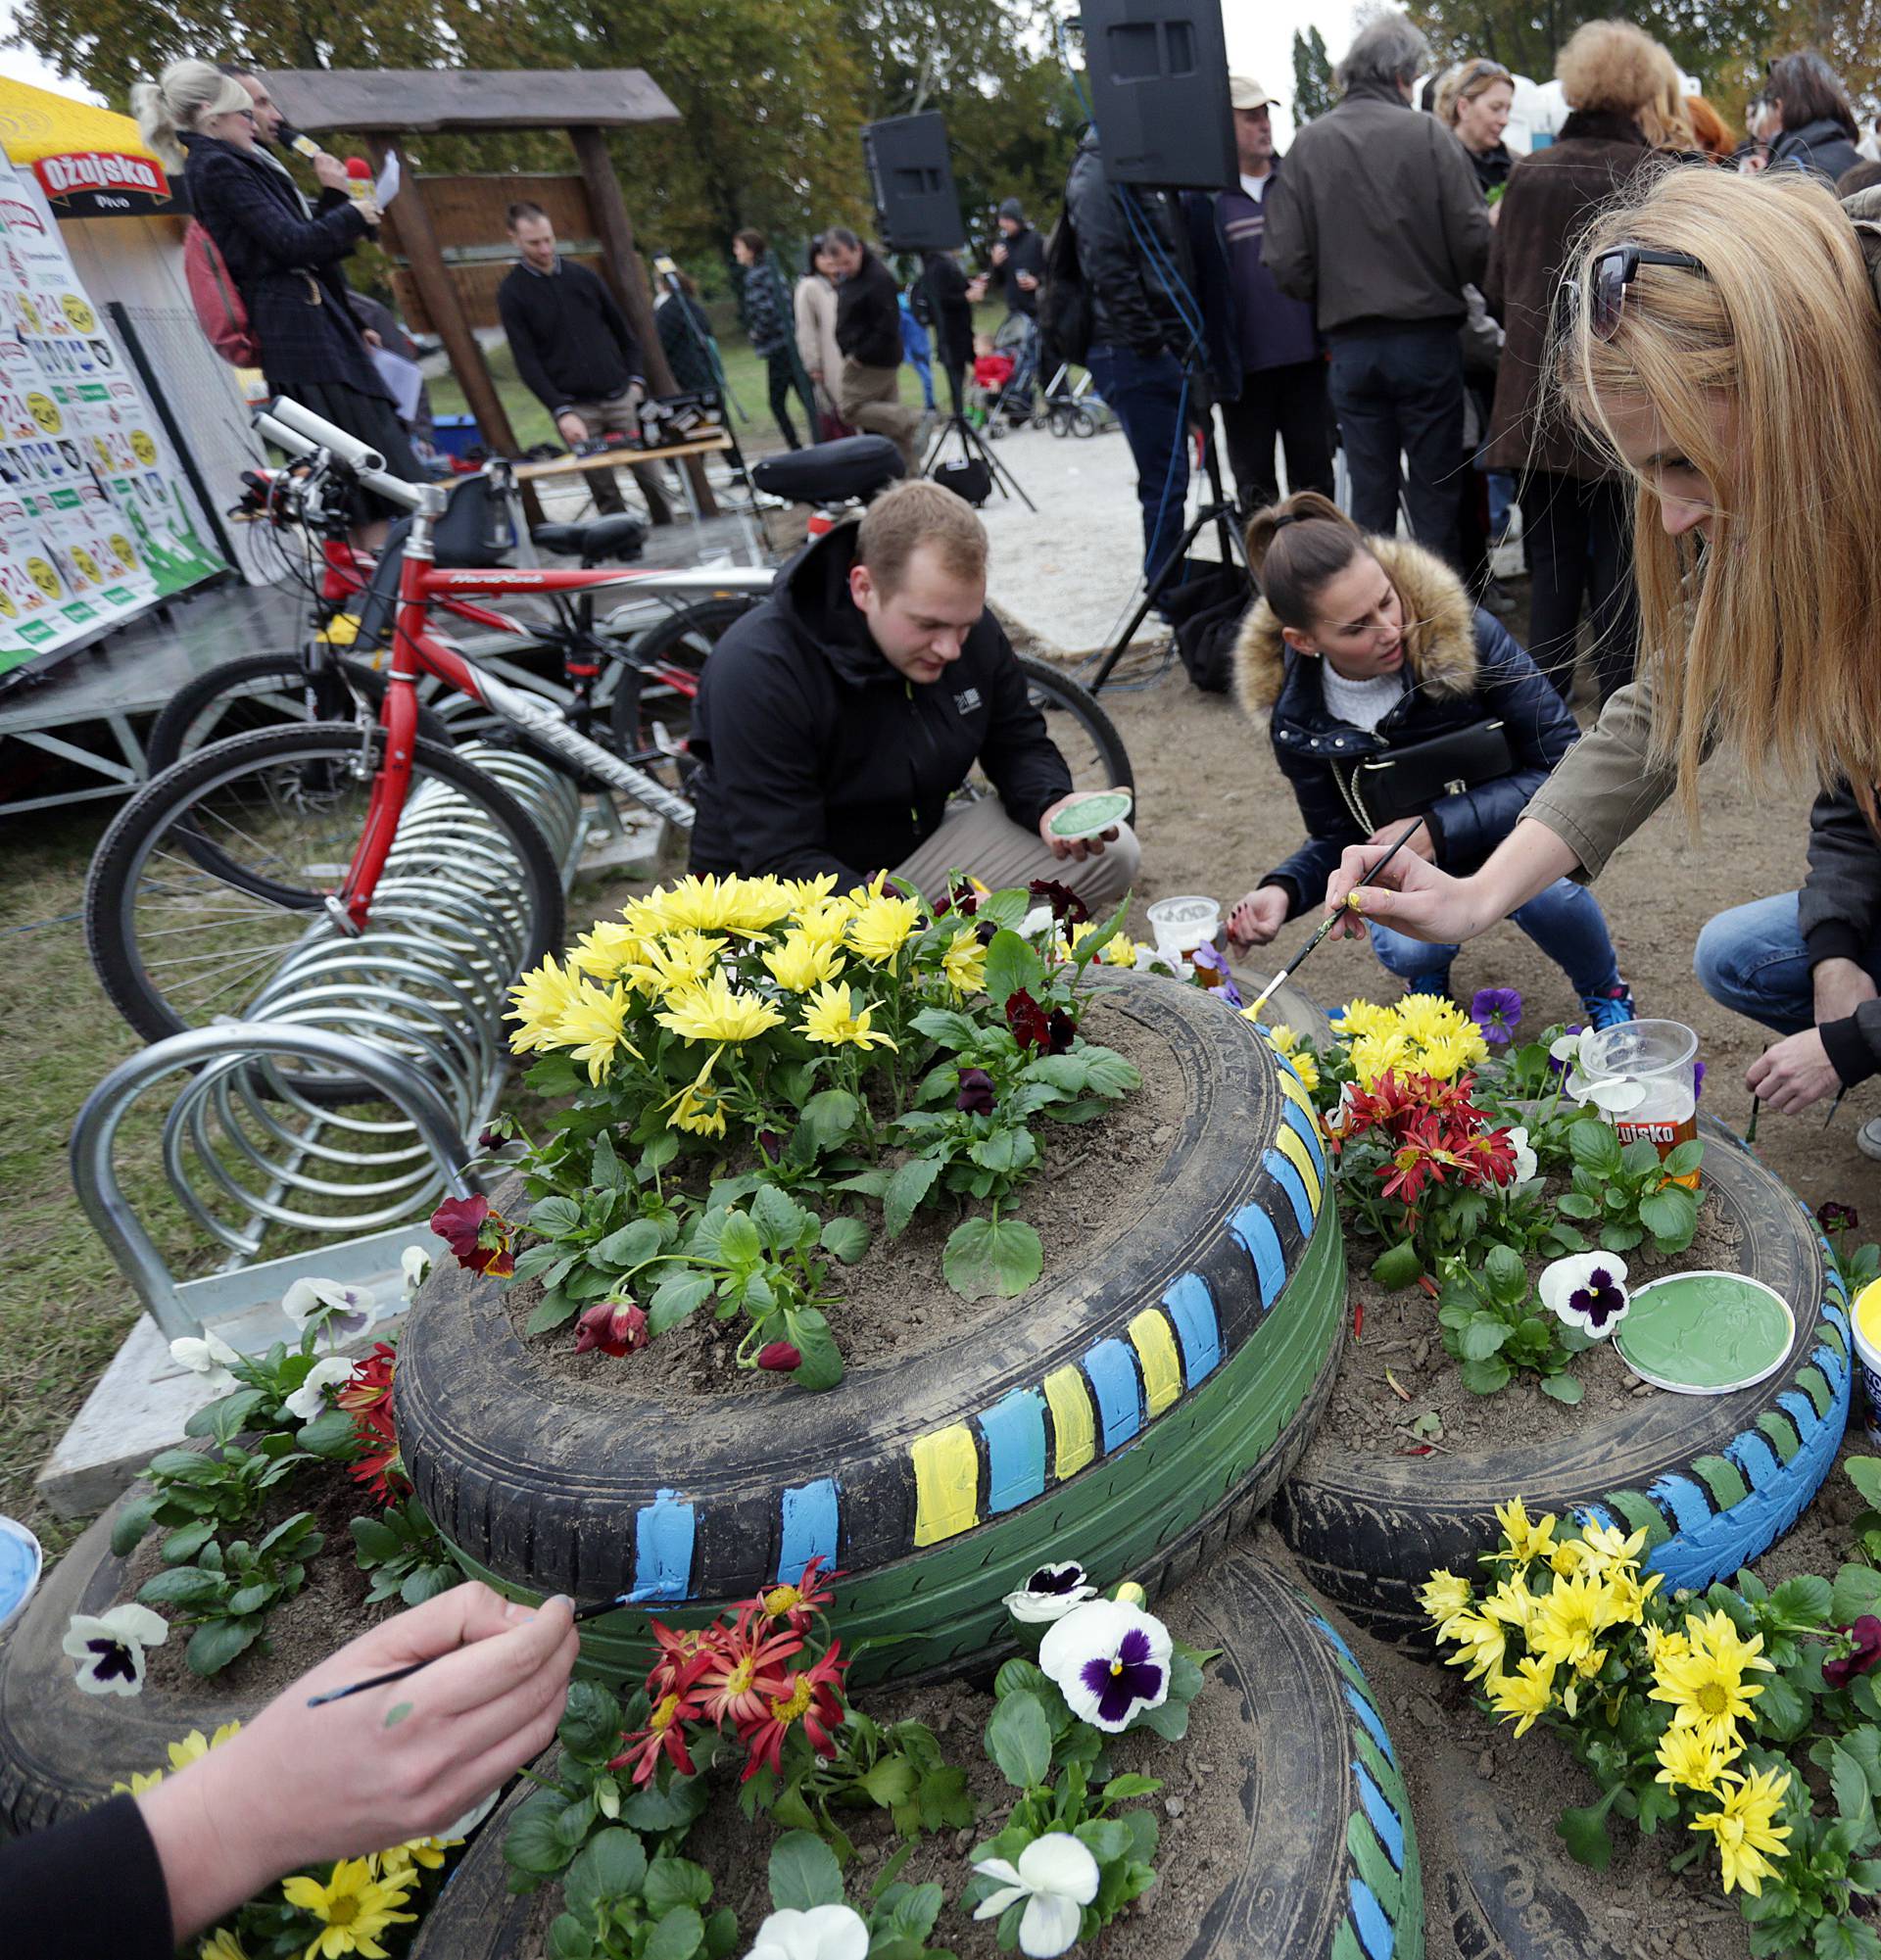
(1865, 1315)
(20, 1564)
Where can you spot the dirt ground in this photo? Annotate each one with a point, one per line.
(1215, 815)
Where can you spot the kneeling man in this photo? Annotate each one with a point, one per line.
(836, 720)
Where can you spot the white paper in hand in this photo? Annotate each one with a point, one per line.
(387, 186)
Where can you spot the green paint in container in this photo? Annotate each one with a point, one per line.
(1706, 1333)
(1086, 814)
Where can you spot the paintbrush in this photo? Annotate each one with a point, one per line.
(1331, 919)
(385, 1680)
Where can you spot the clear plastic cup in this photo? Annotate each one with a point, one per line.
(1180, 925)
(1662, 1057)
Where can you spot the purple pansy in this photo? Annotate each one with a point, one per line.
(1496, 1011)
(1835, 1217)
(1208, 960)
(976, 1092)
(1698, 1080)
(1110, 1662)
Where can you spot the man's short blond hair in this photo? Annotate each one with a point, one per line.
(901, 520)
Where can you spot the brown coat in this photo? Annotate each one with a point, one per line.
(1551, 196)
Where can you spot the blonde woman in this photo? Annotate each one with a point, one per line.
(285, 264)
(1475, 99)
(1715, 321)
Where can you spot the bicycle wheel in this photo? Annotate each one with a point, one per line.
(267, 690)
(217, 869)
(682, 641)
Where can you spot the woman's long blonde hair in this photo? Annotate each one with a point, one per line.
(1769, 640)
(179, 99)
(1664, 119)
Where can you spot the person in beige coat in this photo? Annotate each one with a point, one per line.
(815, 308)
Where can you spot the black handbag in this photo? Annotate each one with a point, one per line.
(1403, 783)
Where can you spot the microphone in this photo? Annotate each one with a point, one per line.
(302, 146)
(664, 265)
(359, 178)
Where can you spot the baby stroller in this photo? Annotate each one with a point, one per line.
(1012, 406)
(1074, 407)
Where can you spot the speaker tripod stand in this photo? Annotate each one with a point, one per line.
(973, 447)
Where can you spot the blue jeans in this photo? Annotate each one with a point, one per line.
(1751, 958)
(1565, 922)
(1403, 392)
(1146, 398)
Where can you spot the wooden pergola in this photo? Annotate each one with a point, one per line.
(383, 105)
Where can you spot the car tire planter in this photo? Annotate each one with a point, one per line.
(1713, 1480)
(1327, 1869)
(1117, 1415)
(60, 1749)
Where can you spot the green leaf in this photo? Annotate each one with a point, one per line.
(675, 1297)
(182, 1546)
(531, 1844)
(555, 1308)
(682, 1802)
(1011, 964)
(890, 1781)
(1170, 1721)
(629, 1246)
(1853, 1801)
(1107, 1838)
(804, 1873)
(1683, 1161)
(181, 1586)
(1017, 1674)
(1111, 1077)
(1865, 1473)
(589, 1720)
(606, 1171)
(227, 1418)
(673, 1882)
(1856, 1590)
(376, 1542)
(331, 1436)
(809, 1332)
(739, 1243)
(1782, 1709)
(612, 1864)
(288, 1526)
(214, 1645)
(130, 1526)
(250, 1599)
(1397, 1266)
(1505, 1276)
(569, 1940)
(555, 1218)
(1584, 1831)
(844, 1238)
(985, 1256)
(951, 1030)
(778, 1219)
(830, 1115)
(677, 1937)
(1573, 1205)
(1483, 1335)
(1485, 1377)
(906, 1189)
(1568, 1388)
(1804, 1597)
(1122, 1788)
(1671, 1214)
(1019, 1739)
(1593, 1145)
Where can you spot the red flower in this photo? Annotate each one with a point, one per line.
(663, 1735)
(1033, 1028)
(615, 1326)
(811, 1594)
(682, 1653)
(382, 1473)
(1865, 1634)
(1066, 906)
(479, 1238)
(368, 1396)
(1489, 1156)
(811, 1695)
(745, 1672)
(368, 1399)
(780, 1357)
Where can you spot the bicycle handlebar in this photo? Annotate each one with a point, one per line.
(290, 427)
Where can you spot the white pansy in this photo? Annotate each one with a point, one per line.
(1049, 1594)
(310, 1398)
(109, 1648)
(211, 1357)
(824, 1933)
(1525, 1165)
(1057, 1878)
(1586, 1290)
(1615, 1094)
(414, 1262)
(345, 1310)
(1564, 1048)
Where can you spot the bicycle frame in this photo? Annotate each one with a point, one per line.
(417, 651)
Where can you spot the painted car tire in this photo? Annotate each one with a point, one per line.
(1327, 1869)
(60, 1749)
(1715, 1481)
(1124, 1408)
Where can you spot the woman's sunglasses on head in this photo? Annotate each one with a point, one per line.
(1603, 286)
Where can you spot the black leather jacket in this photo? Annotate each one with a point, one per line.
(1126, 237)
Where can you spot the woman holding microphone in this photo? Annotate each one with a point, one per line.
(1713, 329)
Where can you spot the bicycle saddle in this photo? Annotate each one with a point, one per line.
(619, 537)
(856, 467)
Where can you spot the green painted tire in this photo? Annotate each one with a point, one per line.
(1123, 1415)
(1326, 1870)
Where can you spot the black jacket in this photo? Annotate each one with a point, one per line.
(1121, 253)
(1462, 668)
(284, 263)
(89, 1889)
(819, 756)
(570, 338)
(1839, 912)
(1823, 147)
(1025, 252)
(1492, 166)
(941, 297)
(686, 334)
(868, 315)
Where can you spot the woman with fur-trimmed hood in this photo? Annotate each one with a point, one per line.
(1387, 696)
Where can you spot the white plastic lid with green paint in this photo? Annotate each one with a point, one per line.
(1706, 1333)
(1085, 814)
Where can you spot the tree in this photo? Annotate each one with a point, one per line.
(1314, 89)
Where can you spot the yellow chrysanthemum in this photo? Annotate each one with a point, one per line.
(1569, 1620)
(1665, 1644)
(1304, 1066)
(699, 1108)
(1445, 1058)
(882, 925)
(354, 1908)
(808, 893)
(1117, 951)
(221, 1944)
(826, 920)
(192, 1746)
(831, 1016)
(802, 963)
(1373, 1055)
(1705, 1686)
(1745, 1828)
(1609, 1546)
(606, 950)
(716, 1011)
(1512, 1605)
(541, 996)
(964, 963)
(594, 1027)
(1364, 1016)
(676, 962)
(1428, 1016)
(1445, 1599)
(1480, 1645)
(1282, 1039)
(141, 1780)
(401, 1863)
(713, 905)
(1525, 1696)
(1630, 1592)
(1525, 1540)
(1693, 1759)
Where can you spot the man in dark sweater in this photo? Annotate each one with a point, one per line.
(868, 331)
(1019, 272)
(574, 349)
(1263, 351)
(836, 720)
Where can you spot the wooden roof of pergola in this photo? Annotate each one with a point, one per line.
(466, 99)
(381, 104)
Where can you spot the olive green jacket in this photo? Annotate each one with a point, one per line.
(1603, 788)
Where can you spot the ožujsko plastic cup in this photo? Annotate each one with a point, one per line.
(1867, 1316)
(1180, 925)
(1661, 1056)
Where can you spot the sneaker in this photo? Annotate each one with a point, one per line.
(1610, 1009)
(1437, 983)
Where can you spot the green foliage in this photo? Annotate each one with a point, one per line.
(1314, 89)
(227, 1591)
(1625, 1195)
(1494, 1325)
(406, 1554)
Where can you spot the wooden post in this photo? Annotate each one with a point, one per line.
(413, 237)
(615, 230)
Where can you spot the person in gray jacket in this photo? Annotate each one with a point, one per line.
(1378, 223)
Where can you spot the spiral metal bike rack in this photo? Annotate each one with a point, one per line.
(335, 1110)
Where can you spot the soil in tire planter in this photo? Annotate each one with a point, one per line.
(1097, 1181)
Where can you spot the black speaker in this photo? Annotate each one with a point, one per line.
(1158, 74)
(916, 206)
